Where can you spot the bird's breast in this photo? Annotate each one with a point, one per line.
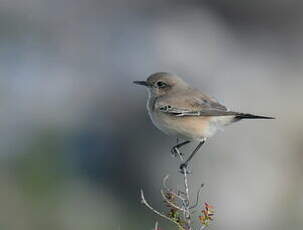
(187, 127)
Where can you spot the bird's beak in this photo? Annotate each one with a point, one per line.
(144, 83)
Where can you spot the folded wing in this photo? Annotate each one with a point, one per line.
(192, 104)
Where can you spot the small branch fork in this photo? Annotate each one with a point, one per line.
(178, 201)
(143, 200)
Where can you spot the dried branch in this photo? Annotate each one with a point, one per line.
(197, 199)
(171, 203)
(178, 202)
(143, 200)
(203, 227)
(156, 226)
(171, 190)
(187, 200)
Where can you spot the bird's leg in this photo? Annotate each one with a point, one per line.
(175, 150)
(184, 165)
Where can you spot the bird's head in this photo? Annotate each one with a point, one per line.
(162, 83)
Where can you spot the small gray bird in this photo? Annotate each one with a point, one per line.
(180, 110)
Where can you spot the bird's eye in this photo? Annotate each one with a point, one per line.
(161, 84)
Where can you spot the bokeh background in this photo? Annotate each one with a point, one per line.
(76, 141)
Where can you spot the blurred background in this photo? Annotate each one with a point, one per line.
(77, 144)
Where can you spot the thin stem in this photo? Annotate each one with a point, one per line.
(187, 200)
(197, 199)
(156, 226)
(203, 227)
(170, 190)
(143, 200)
(171, 203)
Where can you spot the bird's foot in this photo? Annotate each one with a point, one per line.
(175, 152)
(184, 168)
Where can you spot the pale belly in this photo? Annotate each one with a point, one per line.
(187, 128)
(193, 128)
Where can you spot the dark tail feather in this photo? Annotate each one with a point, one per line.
(241, 116)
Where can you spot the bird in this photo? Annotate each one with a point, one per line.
(180, 110)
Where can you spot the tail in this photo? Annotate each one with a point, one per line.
(241, 116)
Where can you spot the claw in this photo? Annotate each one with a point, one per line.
(184, 167)
(175, 152)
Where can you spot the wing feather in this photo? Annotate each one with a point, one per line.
(192, 104)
